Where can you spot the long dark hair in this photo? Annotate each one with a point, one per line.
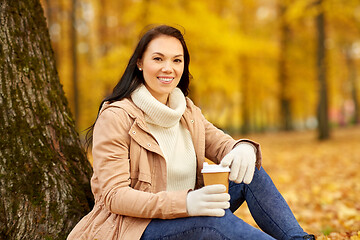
(133, 77)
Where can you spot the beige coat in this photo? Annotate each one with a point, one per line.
(129, 179)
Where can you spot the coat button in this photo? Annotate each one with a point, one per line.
(133, 132)
(149, 145)
(192, 121)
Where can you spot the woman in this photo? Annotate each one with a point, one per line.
(149, 144)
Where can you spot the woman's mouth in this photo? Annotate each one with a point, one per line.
(165, 79)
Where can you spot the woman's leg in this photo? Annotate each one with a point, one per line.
(228, 227)
(268, 208)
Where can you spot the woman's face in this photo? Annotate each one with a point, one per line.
(162, 65)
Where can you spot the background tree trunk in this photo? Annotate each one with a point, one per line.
(245, 17)
(44, 173)
(323, 112)
(352, 80)
(245, 102)
(284, 99)
(74, 57)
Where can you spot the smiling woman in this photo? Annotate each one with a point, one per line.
(149, 145)
(162, 65)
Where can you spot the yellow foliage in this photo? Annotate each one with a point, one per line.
(320, 181)
(220, 35)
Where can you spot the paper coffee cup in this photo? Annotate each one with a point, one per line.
(215, 174)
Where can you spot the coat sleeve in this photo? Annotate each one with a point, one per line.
(218, 143)
(111, 164)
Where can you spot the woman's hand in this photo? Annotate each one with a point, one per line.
(242, 163)
(208, 201)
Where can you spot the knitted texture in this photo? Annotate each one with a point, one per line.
(174, 139)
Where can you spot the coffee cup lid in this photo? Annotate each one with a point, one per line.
(213, 168)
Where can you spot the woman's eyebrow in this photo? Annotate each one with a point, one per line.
(161, 54)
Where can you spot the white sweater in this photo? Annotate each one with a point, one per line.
(174, 139)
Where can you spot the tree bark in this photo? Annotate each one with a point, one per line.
(44, 173)
(323, 112)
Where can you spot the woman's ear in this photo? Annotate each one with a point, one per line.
(139, 64)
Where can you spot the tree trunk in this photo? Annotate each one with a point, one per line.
(103, 32)
(323, 116)
(74, 57)
(352, 80)
(283, 75)
(245, 17)
(44, 173)
(245, 102)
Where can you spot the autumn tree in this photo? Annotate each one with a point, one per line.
(322, 111)
(244, 19)
(44, 173)
(283, 75)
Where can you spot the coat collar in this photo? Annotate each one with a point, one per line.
(138, 130)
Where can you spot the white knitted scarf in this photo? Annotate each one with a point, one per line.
(174, 139)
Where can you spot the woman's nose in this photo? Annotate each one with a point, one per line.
(167, 67)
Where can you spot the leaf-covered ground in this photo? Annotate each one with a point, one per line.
(319, 180)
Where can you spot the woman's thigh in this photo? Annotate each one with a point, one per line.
(210, 228)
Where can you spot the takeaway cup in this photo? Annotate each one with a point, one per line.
(215, 174)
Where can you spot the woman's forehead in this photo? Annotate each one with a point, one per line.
(165, 45)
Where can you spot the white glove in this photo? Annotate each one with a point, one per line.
(208, 201)
(242, 163)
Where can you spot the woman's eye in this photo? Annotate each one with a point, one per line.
(157, 59)
(178, 60)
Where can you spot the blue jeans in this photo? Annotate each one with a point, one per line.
(267, 206)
